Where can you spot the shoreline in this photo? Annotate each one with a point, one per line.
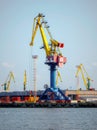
(48, 105)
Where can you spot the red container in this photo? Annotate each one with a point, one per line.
(16, 99)
(5, 99)
(26, 98)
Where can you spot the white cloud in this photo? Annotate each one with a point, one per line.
(7, 65)
(94, 64)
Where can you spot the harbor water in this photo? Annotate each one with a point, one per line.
(48, 118)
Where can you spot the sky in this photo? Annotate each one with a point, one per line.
(72, 22)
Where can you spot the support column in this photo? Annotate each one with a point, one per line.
(53, 76)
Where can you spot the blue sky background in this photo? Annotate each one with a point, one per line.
(73, 22)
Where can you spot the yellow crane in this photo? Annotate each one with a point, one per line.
(54, 57)
(8, 80)
(25, 80)
(87, 79)
(52, 50)
(58, 77)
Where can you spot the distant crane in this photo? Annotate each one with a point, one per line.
(25, 80)
(6, 84)
(58, 77)
(87, 79)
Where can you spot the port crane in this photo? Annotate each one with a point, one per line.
(25, 80)
(54, 57)
(58, 77)
(8, 80)
(85, 76)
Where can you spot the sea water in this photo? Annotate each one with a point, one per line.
(48, 118)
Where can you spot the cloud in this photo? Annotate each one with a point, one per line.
(7, 65)
(94, 64)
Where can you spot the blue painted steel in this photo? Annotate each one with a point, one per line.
(53, 76)
(53, 93)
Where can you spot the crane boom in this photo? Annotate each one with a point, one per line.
(11, 77)
(46, 45)
(39, 22)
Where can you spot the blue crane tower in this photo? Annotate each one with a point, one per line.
(54, 59)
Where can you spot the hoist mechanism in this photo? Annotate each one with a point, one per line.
(54, 57)
(85, 76)
(6, 84)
